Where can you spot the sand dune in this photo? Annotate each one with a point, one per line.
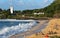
(53, 25)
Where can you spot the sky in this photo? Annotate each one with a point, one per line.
(24, 4)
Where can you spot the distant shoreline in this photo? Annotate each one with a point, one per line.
(14, 20)
(41, 18)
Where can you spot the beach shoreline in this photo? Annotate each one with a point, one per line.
(31, 31)
(45, 30)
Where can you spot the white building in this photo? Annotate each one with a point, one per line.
(39, 13)
(11, 9)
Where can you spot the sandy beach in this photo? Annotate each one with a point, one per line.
(52, 29)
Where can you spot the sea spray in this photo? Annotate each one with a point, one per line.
(15, 29)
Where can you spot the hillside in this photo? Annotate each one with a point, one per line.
(53, 10)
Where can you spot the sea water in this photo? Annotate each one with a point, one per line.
(12, 27)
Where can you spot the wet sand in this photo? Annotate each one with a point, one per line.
(42, 24)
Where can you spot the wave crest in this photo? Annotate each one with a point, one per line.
(8, 31)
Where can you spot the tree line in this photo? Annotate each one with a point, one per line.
(52, 10)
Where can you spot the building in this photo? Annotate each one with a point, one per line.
(39, 13)
(11, 9)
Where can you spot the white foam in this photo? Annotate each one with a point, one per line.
(15, 20)
(7, 31)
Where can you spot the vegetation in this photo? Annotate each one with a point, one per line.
(52, 10)
(54, 36)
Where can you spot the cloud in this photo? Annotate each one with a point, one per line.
(46, 1)
(20, 2)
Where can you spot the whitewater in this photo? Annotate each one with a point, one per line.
(11, 27)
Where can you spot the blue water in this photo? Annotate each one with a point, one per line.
(8, 28)
(10, 23)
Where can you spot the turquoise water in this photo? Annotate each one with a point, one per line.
(12, 27)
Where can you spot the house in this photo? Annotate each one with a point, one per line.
(39, 13)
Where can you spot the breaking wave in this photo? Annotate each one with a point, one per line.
(12, 30)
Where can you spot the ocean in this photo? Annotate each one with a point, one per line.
(9, 27)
